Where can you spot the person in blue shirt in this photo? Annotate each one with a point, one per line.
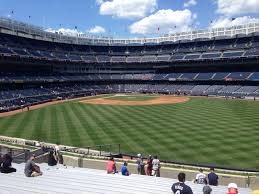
(180, 187)
(213, 178)
(124, 169)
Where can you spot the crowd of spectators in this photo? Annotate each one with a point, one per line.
(153, 169)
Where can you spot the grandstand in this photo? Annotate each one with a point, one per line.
(38, 66)
(67, 179)
(35, 65)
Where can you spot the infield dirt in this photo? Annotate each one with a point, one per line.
(159, 100)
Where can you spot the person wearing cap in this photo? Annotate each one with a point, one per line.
(206, 190)
(180, 187)
(213, 178)
(232, 188)
(31, 169)
(139, 162)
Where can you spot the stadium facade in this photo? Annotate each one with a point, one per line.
(38, 66)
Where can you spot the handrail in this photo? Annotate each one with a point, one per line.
(14, 27)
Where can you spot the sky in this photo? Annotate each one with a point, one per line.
(130, 18)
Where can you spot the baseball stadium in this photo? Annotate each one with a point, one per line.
(191, 98)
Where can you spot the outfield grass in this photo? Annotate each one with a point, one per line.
(133, 98)
(207, 131)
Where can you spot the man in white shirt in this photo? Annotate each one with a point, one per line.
(156, 167)
(201, 178)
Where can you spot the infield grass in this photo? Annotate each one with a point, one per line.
(202, 130)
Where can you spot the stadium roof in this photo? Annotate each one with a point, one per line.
(14, 27)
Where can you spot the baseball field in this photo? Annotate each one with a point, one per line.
(196, 129)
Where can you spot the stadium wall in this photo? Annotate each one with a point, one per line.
(224, 179)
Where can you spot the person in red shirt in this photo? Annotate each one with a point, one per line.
(232, 188)
(149, 166)
(111, 166)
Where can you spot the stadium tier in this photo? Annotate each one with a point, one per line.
(38, 66)
(79, 180)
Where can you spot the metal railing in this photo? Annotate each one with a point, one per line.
(98, 150)
(18, 155)
(14, 27)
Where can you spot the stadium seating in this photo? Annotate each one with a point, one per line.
(214, 55)
(62, 179)
(204, 76)
(118, 59)
(35, 70)
(103, 59)
(163, 58)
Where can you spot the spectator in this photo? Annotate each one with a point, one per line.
(6, 164)
(57, 154)
(180, 187)
(51, 159)
(31, 169)
(140, 165)
(111, 166)
(124, 169)
(156, 167)
(206, 190)
(138, 162)
(213, 178)
(149, 166)
(232, 188)
(201, 178)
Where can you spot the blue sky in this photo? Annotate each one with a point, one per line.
(129, 18)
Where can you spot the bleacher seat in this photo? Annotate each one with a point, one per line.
(62, 179)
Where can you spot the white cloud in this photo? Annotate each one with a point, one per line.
(96, 30)
(65, 31)
(99, 2)
(227, 22)
(190, 3)
(130, 9)
(237, 7)
(167, 21)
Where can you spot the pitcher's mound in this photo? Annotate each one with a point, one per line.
(159, 100)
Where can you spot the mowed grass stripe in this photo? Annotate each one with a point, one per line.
(5, 124)
(68, 127)
(141, 130)
(99, 116)
(153, 123)
(38, 130)
(55, 127)
(86, 119)
(21, 128)
(114, 119)
(72, 125)
(93, 127)
(109, 123)
(133, 130)
(202, 130)
(81, 119)
(65, 135)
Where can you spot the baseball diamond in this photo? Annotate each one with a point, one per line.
(186, 97)
(198, 130)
